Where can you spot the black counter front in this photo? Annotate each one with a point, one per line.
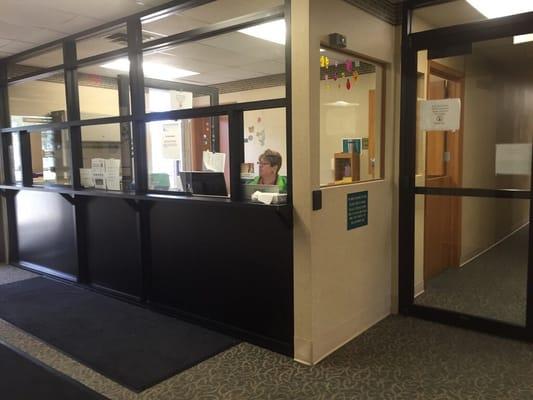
(225, 265)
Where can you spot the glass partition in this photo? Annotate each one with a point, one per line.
(189, 155)
(485, 139)
(351, 111)
(107, 157)
(36, 62)
(265, 155)
(163, 24)
(50, 157)
(15, 160)
(104, 89)
(445, 14)
(102, 42)
(471, 255)
(230, 68)
(38, 101)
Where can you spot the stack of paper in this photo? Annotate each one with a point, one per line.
(112, 174)
(104, 174)
(86, 177)
(98, 172)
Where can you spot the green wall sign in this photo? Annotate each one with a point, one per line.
(357, 214)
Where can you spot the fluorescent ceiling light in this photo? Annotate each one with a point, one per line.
(501, 8)
(273, 31)
(322, 50)
(152, 70)
(523, 38)
(341, 103)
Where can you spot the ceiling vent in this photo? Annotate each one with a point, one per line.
(122, 37)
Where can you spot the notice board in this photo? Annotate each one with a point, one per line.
(357, 210)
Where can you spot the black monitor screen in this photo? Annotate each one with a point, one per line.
(204, 182)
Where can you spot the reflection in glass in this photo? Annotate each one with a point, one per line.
(34, 63)
(101, 42)
(104, 90)
(229, 68)
(350, 118)
(50, 157)
(15, 160)
(492, 147)
(471, 255)
(38, 101)
(445, 14)
(170, 23)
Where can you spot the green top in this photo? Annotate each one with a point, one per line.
(281, 182)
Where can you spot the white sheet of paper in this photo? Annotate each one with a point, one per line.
(112, 167)
(214, 161)
(513, 159)
(440, 115)
(86, 177)
(171, 142)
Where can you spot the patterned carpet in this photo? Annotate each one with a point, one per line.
(399, 358)
(493, 285)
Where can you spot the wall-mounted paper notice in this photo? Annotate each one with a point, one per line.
(513, 159)
(440, 115)
(214, 161)
(171, 142)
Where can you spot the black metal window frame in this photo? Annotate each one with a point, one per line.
(138, 116)
(437, 39)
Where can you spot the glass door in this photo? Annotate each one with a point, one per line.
(465, 199)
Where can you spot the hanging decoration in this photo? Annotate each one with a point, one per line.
(324, 61)
(348, 66)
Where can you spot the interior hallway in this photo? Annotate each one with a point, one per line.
(399, 358)
(492, 285)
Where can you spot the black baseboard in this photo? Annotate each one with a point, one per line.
(247, 336)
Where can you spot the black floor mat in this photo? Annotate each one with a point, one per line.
(130, 345)
(23, 379)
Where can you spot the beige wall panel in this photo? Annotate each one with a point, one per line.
(342, 278)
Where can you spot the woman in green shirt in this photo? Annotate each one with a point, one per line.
(269, 166)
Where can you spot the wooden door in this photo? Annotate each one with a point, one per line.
(442, 216)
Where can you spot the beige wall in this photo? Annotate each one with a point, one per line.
(342, 278)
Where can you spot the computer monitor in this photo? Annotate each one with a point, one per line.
(204, 182)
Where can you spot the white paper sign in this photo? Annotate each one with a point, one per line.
(513, 159)
(440, 115)
(171, 142)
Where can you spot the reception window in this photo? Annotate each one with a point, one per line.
(351, 110)
(189, 155)
(265, 156)
(107, 157)
(50, 157)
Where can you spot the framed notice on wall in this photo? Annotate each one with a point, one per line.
(357, 210)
